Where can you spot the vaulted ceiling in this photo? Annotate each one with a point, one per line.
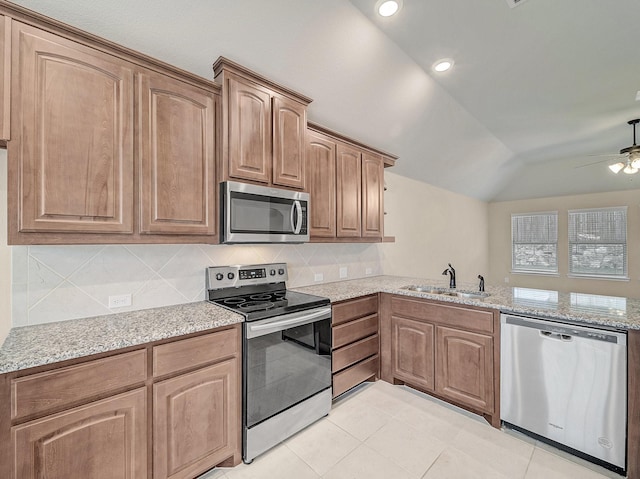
(535, 89)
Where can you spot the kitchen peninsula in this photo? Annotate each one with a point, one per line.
(52, 347)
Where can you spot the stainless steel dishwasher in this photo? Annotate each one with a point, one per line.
(566, 385)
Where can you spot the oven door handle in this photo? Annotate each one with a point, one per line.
(296, 217)
(260, 328)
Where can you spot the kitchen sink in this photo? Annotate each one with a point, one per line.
(479, 295)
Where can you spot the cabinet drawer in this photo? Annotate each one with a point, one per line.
(450, 315)
(191, 353)
(355, 352)
(350, 377)
(357, 308)
(72, 385)
(354, 330)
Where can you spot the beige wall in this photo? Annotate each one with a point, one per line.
(433, 227)
(500, 243)
(5, 254)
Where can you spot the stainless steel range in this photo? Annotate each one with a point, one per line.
(286, 382)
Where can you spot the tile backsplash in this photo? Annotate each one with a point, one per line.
(55, 283)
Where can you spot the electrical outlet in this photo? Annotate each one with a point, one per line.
(318, 277)
(506, 279)
(367, 271)
(344, 272)
(120, 300)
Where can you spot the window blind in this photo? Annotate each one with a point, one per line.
(598, 242)
(534, 242)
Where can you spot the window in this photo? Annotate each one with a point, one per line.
(534, 243)
(598, 242)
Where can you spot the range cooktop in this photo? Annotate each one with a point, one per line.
(257, 291)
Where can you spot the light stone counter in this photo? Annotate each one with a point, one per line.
(31, 346)
(609, 311)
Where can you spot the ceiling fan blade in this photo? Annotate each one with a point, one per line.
(612, 159)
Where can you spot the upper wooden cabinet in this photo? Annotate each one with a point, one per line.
(321, 159)
(249, 131)
(5, 78)
(73, 137)
(372, 195)
(108, 145)
(346, 185)
(349, 191)
(177, 156)
(263, 129)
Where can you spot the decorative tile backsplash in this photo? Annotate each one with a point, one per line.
(55, 283)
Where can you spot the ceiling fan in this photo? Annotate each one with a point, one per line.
(632, 152)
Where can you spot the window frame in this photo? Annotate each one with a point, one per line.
(519, 270)
(594, 275)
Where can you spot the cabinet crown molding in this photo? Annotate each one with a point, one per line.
(224, 64)
(389, 159)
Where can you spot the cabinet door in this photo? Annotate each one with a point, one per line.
(176, 156)
(102, 440)
(464, 367)
(321, 159)
(5, 76)
(349, 189)
(73, 139)
(372, 195)
(195, 421)
(412, 352)
(289, 128)
(249, 123)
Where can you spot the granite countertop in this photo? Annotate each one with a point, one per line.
(37, 345)
(31, 346)
(608, 311)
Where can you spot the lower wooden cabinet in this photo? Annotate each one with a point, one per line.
(464, 367)
(193, 420)
(413, 352)
(164, 410)
(102, 440)
(450, 351)
(355, 342)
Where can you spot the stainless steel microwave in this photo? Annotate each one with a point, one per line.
(260, 214)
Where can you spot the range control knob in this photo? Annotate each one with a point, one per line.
(219, 276)
(281, 271)
(272, 272)
(231, 275)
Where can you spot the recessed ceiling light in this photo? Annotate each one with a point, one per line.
(443, 65)
(386, 8)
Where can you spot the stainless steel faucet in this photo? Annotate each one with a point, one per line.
(452, 275)
(481, 285)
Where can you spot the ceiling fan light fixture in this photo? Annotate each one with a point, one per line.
(616, 167)
(634, 158)
(388, 8)
(630, 170)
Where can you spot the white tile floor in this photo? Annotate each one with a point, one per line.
(393, 432)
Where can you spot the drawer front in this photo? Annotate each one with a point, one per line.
(355, 352)
(350, 377)
(353, 309)
(72, 385)
(354, 331)
(450, 315)
(191, 353)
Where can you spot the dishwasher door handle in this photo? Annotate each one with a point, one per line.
(556, 336)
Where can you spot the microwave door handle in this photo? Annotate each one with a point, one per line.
(296, 222)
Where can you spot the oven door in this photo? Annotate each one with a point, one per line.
(258, 214)
(287, 359)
